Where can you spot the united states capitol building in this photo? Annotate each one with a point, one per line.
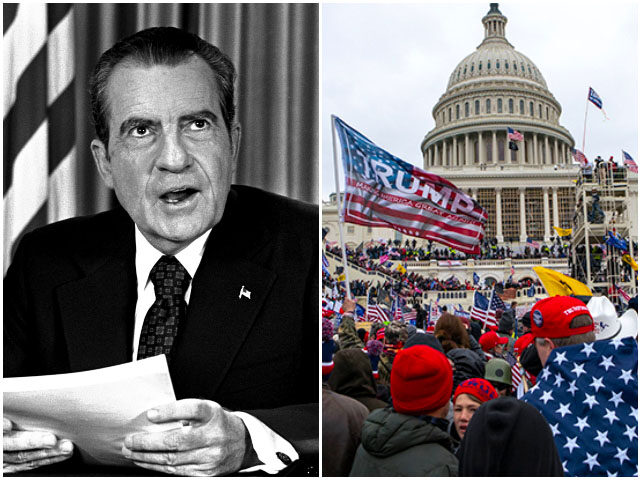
(526, 192)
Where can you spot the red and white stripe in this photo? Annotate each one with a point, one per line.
(376, 313)
(39, 118)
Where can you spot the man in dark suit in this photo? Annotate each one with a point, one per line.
(238, 316)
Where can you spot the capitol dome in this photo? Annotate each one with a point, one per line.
(495, 57)
(526, 183)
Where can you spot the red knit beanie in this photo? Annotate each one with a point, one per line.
(421, 380)
(478, 387)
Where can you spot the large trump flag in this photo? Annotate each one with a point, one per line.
(383, 191)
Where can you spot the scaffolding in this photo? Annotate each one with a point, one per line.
(602, 199)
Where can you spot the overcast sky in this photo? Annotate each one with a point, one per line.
(384, 66)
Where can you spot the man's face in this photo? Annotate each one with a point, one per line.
(170, 157)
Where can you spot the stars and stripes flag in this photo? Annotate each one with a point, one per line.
(579, 157)
(480, 307)
(516, 378)
(39, 153)
(532, 243)
(514, 135)
(629, 162)
(383, 191)
(494, 304)
(325, 264)
(377, 313)
(589, 395)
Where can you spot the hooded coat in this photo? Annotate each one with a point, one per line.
(467, 364)
(352, 376)
(508, 437)
(394, 444)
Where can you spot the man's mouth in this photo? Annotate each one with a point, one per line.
(178, 195)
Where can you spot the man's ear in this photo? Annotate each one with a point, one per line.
(101, 157)
(236, 134)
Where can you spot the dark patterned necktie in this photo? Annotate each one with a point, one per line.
(160, 327)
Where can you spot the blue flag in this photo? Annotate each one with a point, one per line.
(589, 395)
(595, 98)
(476, 278)
(616, 242)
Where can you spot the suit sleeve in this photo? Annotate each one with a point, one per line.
(17, 359)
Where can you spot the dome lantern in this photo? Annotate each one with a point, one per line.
(494, 25)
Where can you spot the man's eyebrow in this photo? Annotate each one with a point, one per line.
(132, 122)
(207, 114)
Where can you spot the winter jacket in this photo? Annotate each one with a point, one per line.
(467, 364)
(475, 346)
(352, 376)
(394, 445)
(347, 333)
(342, 419)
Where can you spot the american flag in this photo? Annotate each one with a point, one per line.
(409, 316)
(579, 157)
(480, 307)
(589, 395)
(39, 154)
(514, 135)
(622, 293)
(383, 191)
(629, 162)
(325, 264)
(516, 376)
(532, 243)
(495, 304)
(377, 313)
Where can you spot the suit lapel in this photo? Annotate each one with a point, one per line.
(219, 317)
(97, 310)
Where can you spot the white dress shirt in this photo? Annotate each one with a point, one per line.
(265, 441)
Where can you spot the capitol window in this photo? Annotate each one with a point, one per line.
(522, 67)
(540, 110)
(531, 108)
(480, 66)
(449, 113)
(488, 105)
(472, 67)
(511, 105)
(477, 107)
(497, 64)
(547, 113)
(499, 105)
(466, 109)
(458, 112)
(522, 107)
(488, 64)
(506, 65)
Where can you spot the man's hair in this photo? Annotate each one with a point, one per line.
(578, 321)
(160, 46)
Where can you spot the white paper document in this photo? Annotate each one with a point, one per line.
(95, 409)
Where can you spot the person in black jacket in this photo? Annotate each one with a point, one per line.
(508, 437)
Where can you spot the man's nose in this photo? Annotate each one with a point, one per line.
(173, 156)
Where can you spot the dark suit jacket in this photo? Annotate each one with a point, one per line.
(70, 296)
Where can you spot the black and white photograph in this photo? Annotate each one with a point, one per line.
(161, 239)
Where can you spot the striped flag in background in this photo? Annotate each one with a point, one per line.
(39, 120)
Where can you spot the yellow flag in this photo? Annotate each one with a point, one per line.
(556, 283)
(627, 258)
(563, 232)
(342, 277)
(400, 268)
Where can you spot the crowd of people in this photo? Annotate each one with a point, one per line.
(490, 248)
(401, 402)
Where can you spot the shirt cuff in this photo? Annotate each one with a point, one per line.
(270, 447)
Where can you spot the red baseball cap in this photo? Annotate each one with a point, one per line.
(522, 343)
(490, 340)
(551, 317)
(421, 380)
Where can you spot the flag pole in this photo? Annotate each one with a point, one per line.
(586, 110)
(339, 202)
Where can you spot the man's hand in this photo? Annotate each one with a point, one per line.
(22, 451)
(211, 443)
